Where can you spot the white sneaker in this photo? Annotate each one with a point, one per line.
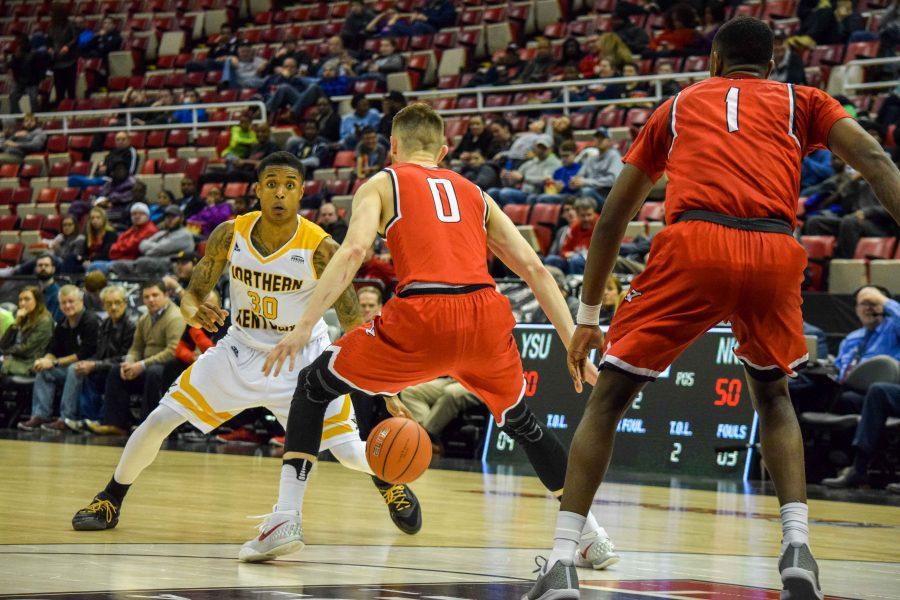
(596, 551)
(74, 424)
(281, 533)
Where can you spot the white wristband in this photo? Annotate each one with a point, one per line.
(588, 314)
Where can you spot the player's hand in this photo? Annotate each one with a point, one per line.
(396, 408)
(286, 349)
(208, 316)
(583, 341)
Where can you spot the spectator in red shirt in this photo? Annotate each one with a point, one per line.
(377, 267)
(680, 31)
(576, 242)
(126, 247)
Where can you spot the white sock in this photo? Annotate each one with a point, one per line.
(292, 487)
(566, 537)
(352, 455)
(794, 523)
(144, 443)
(592, 526)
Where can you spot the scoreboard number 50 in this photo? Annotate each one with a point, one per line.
(729, 391)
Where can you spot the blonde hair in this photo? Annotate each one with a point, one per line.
(71, 290)
(113, 289)
(418, 127)
(88, 230)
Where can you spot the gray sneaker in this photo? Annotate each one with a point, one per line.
(279, 534)
(799, 573)
(558, 583)
(596, 551)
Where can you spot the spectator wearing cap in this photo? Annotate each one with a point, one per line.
(559, 185)
(182, 269)
(331, 222)
(310, 148)
(362, 116)
(788, 64)
(127, 246)
(528, 180)
(118, 191)
(158, 249)
(477, 137)
(572, 252)
(217, 211)
(599, 168)
(393, 103)
(370, 156)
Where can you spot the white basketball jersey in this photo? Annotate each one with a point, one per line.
(269, 294)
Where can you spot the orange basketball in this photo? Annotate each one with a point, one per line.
(398, 450)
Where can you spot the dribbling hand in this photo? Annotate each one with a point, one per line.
(396, 408)
(584, 340)
(286, 349)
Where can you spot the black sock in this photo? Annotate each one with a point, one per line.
(861, 464)
(380, 483)
(116, 490)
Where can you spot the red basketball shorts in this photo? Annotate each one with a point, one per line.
(420, 338)
(699, 274)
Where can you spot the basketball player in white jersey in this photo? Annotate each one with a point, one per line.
(274, 257)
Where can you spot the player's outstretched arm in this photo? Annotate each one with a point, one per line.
(862, 152)
(197, 312)
(338, 273)
(347, 305)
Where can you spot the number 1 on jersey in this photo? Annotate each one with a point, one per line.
(731, 109)
(445, 202)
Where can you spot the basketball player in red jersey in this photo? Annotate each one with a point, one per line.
(732, 147)
(447, 318)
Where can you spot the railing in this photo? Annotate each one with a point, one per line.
(565, 103)
(194, 124)
(872, 85)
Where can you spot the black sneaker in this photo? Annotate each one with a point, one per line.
(101, 513)
(403, 504)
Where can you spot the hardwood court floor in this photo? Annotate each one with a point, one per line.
(186, 517)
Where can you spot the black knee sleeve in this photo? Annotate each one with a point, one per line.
(544, 450)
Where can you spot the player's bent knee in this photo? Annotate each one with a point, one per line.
(316, 382)
(522, 425)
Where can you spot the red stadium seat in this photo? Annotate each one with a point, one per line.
(172, 165)
(652, 211)
(825, 55)
(344, 158)
(52, 224)
(57, 144)
(875, 247)
(581, 120)
(312, 187)
(204, 191)
(637, 115)
(555, 31)
(68, 194)
(11, 254)
(32, 223)
(9, 170)
(862, 50)
(21, 196)
(80, 167)
(545, 214)
(29, 170)
(337, 187)
(236, 189)
(195, 168)
(610, 118)
(518, 213)
(8, 222)
(48, 196)
(149, 167)
(818, 246)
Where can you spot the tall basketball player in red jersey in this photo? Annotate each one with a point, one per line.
(732, 147)
(447, 318)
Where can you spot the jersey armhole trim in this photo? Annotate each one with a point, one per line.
(672, 121)
(487, 207)
(234, 236)
(792, 102)
(396, 188)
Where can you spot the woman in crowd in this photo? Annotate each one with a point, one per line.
(99, 236)
(611, 299)
(571, 53)
(26, 340)
(680, 30)
(164, 199)
(217, 211)
(66, 244)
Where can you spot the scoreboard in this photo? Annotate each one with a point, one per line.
(696, 419)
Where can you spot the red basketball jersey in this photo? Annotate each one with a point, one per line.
(734, 144)
(439, 230)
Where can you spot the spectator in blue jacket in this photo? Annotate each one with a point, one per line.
(436, 15)
(815, 168)
(562, 176)
(186, 115)
(353, 123)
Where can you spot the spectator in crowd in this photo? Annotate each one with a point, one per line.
(633, 89)
(189, 115)
(528, 180)
(118, 191)
(243, 205)
(25, 341)
(62, 40)
(290, 90)
(85, 35)
(388, 60)
(532, 313)
(127, 246)
(157, 250)
(241, 140)
(571, 53)
(377, 267)
(164, 199)
(788, 64)
(815, 168)
(679, 32)
(434, 404)
(634, 37)
(74, 338)
(879, 335)
(434, 16)
(382, 24)
(7, 319)
(225, 46)
(290, 50)
(182, 269)
(370, 156)
(478, 171)
(92, 285)
(353, 123)
(538, 69)
(670, 87)
(190, 202)
(522, 146)
(882, 400)
(370, 302)
(559, 184)
(245, 70)
(509, 59)
(142, 369)
(569, 216)
(29, 138)
(353, 31)
(393, 103)
(124, 153)
(501, 140)
(106, 40)
(217, 211)
(194, 342)
(99, 236)
(599, 169)
(331, 222)
(609, 304)
(64, 249)
(608, 47)
(606, 91)
(244, 169)
(28, 67)
(87, 378)
(337, 59)
(310, 148)
(44, 270)
(572, 252)
(328, 121)
(832, 23)
(713, 19)
(477, 137)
